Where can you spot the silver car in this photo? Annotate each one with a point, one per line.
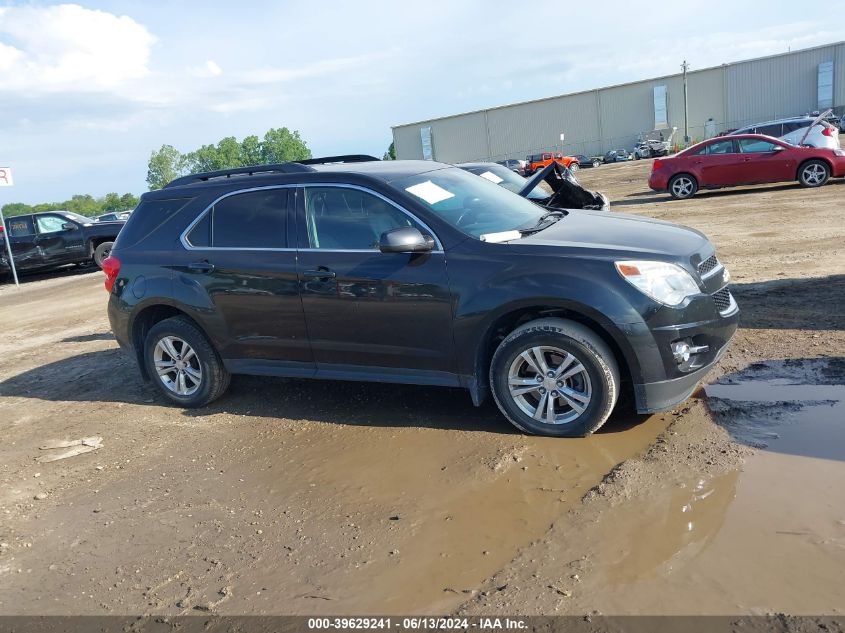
(806, 131)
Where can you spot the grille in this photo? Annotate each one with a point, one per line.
(707, 265)
(722, 299)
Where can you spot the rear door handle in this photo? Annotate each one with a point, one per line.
(321, 273)
(201, 267)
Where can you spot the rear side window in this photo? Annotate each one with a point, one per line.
(776, 129)
(794, 126)
(255, 219)
(146, 218)
(20, 226)
(721, 147)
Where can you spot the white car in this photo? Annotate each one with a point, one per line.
(807, 131)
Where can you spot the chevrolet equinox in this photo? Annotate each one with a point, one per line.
(350, 268)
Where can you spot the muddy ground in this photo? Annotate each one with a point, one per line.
(299, 497)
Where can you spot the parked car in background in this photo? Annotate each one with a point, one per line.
(415, 272)
(617, 155)
(810, 131)
(587, 161)
(113, 216)
(562, 191)
(746, 159)
(536, 162)
(514, 164)
(55, 238)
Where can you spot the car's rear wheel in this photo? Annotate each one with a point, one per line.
(554, 377)
(102, 252)
(683, 186)
(183, 365)
(813, 173)
(574, 166)
(596, 163)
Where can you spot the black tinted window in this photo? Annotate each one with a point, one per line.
(20, 226)
(256, 219)
(147, 217)
(776, 129)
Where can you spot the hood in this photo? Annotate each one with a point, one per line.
(568, 192)
(619, 231)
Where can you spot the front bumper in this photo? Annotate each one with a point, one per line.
(677, 385)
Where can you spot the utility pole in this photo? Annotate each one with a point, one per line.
(685, 66)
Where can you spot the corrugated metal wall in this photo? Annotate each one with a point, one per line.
(599, 120)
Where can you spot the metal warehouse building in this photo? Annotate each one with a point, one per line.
(595, 121)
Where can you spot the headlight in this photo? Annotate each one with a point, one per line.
(666, 283)
(839, 152)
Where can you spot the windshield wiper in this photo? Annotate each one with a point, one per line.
(544, 222)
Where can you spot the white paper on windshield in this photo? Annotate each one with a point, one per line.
(489, 175)
(430, 192)
(504, 236)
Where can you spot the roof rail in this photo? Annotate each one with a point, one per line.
(279, 168)
(344, 158)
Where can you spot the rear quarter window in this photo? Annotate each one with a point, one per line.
(147, 217)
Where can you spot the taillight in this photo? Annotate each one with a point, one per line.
(657, 164)
(111, 266)
(827, 131)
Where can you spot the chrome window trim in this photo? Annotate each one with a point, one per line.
(186, 244)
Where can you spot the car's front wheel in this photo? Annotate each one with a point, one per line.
(814, 173)
(682, 186)
(574, 167)
(596, 163)
(554, 377)
(183, 365)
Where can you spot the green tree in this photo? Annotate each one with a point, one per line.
(111, 202)
(128, 201)
(251, 151)
(281, 145)
(390, 154)
(165, 165)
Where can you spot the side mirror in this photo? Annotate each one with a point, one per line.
(68, 226)
(778, 148)
(406, 239)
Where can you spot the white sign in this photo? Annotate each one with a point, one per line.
(562, 135)
(430, 192)
(489, 175)
(425, 139)
(6, 177)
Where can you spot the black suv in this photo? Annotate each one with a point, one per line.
(414, 272)
(55, 238)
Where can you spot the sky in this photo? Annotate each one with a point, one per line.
(89, 90)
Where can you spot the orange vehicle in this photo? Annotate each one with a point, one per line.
(535, 162)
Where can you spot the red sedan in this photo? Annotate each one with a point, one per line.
(744, 159)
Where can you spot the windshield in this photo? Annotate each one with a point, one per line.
(504, 177)
(474, 205)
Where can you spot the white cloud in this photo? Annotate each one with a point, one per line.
(66, 46)
(209, 69)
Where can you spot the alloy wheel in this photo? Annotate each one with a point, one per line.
(177, 366)
(550, 385)
(682, 187)
(814, 174)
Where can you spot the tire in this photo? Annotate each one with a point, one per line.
(813, 173)
(574, 167)
(683, 186)
(102, 252)
(596, 163)
(556, 340)
(173, 334)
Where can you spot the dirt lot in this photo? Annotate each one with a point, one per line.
(298, 497)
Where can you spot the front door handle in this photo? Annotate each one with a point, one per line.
(201, 267)
(320, 273)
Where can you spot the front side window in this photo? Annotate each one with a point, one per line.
(50, 223)
(755, 146)
(474, 205)
(341, 218)
(20, 226)
(254, 219)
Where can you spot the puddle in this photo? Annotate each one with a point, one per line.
(767, 537)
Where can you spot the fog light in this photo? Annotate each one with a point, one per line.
(681, 352)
